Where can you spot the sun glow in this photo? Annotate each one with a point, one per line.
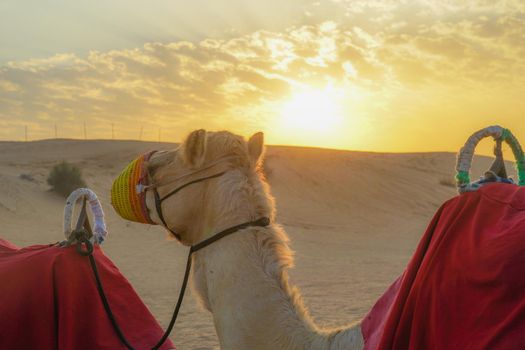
(313, 111)
(329, 117)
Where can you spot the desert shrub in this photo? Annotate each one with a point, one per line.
(64, 178)
(449, 182)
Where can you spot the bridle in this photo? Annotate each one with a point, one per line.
(261, 222)
(147, 176)
(159, 200)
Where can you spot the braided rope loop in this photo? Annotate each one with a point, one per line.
(466, 154)
(508, 137)
(99, 230)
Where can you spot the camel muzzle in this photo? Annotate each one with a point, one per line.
(128, 195)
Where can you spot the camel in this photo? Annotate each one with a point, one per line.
(241, 279)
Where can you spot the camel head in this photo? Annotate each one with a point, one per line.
(220, 184)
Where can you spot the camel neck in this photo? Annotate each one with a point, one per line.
(243, 280)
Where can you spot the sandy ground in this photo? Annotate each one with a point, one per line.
(354, 219)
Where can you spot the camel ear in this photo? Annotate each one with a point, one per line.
(256, 147)
(195, 148)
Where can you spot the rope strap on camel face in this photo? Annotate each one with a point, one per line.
(497, 172)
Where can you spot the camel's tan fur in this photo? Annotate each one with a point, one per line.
(242, 279)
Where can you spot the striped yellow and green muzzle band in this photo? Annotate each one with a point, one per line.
(127, 194)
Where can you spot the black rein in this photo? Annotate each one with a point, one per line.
(83, 229)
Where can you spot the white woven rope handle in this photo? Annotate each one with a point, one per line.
(99, 228)
(466, 154)
(467, 151)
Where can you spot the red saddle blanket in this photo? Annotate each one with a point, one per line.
(464, 287)
(49, 300)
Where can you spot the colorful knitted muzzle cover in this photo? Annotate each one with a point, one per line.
(127, 193)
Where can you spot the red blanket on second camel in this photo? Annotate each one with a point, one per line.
(49, 301)
(464, 287)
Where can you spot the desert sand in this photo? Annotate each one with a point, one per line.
(354, 219)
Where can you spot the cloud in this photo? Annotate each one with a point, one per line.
(388, 50)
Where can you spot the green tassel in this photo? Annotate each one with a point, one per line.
(462, 177)
(521, 171)
(505, 134)
(518, 154)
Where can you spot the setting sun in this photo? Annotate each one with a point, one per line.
(330, 116)
(313, 110)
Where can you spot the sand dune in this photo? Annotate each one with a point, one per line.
(354, 219)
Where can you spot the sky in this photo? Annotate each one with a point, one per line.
(394, 76)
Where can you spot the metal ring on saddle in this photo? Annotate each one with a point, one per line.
(497, 172)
